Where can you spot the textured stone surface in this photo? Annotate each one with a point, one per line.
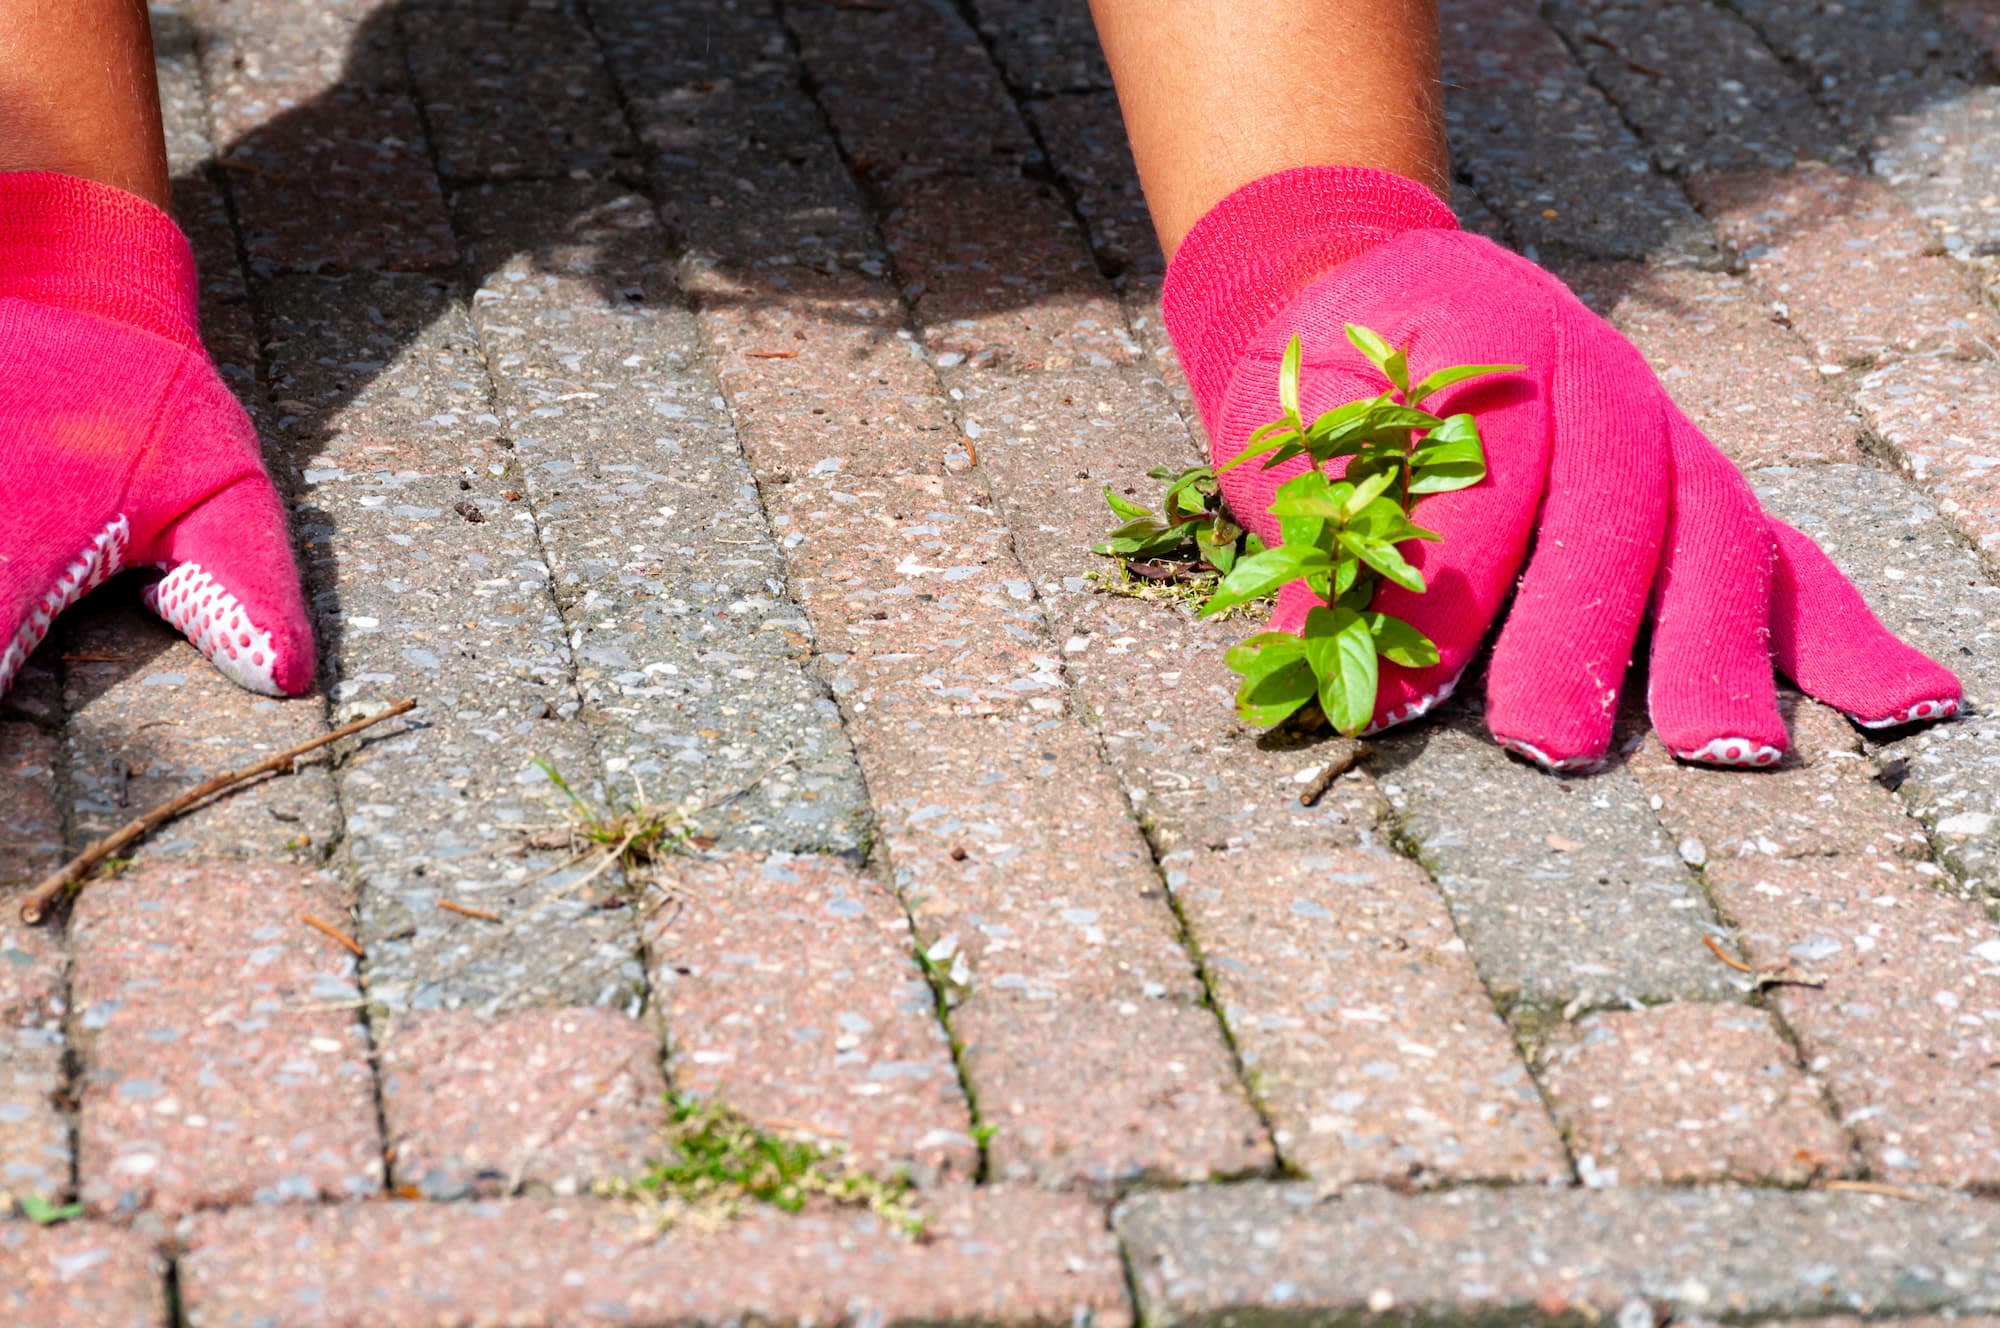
(1363, 1029)
(149, 719)
(31, 820)
(1701, 87)
(665, 570)
(1566, 890)
(1085, 1040)
(549, 1099)
(1044, 46)
(1851, 267)
(1940, 156)
(791, 993)
(34, 1127)
(1904, 1029)
(1086, 142)
(514, 93)
(1931, 589)
(83, 1273)
(1726, 359)
(389, 421)
(1545, 149)
(916, 599)
(320, 142)
(1938, 416)
(223, 1059)
(1869, 62)
(1811, 805)
(1276, 1253)
(1688, 1094)
(994, 1256)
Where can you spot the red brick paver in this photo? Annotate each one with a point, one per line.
(791, 993)
(1689, 1093)
(992, 1256)
(550, 1099)
(90, 1274)
(223, 1056)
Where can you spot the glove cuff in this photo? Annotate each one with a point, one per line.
(1262, 245)
(76, 244)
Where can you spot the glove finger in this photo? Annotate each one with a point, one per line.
(1710, 690)
(1552, 689)
(1825, 638)
(37, 589)
(232, 588)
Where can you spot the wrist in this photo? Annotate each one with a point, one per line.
(77, 244)
(1263, 244)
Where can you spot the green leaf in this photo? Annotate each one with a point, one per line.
(1444, 378)
(1255, 656)
(1345, 571)
(1310, 494)
(1384, 559)
(1305, 531)
(1397, 367)
(1288, 380)
(1368, 343)
(1364, 493)
(1276, 696)
(1125, 508)
(1450, 457)
(1342, 653)
(1253, 577)
(1400, 643)
(43, 1213)
(1284, 435)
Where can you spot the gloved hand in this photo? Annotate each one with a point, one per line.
(1623, 499)
(121, 446)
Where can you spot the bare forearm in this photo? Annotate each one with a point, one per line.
(1217, 93)
(77, 93)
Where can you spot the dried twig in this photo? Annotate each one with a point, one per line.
(69, 878)
(329, 929)
(1347, 753)
(1715, 947)
(469, 911)
(1873, 1187)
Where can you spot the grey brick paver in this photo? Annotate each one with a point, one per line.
(517, 92)
(1546, 150)
(319, 138)
(1552, 880)
(670, 582)
(1709, 95)
(391, 425)
(1044, 46)
(1726, 359)
(1279, 1254)
(994, 1256)
(149, 718)
(1927, 586)
(1064, 890)
(1901, 1028)
(1934, 413)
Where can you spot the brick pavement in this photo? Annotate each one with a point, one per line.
(713, 403)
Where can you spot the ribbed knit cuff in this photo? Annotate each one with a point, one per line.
(1262, 245)
(77, 244)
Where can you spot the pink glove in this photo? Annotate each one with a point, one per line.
(1624, 499)
(119, 444)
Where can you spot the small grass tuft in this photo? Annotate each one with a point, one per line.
(716, 1161)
